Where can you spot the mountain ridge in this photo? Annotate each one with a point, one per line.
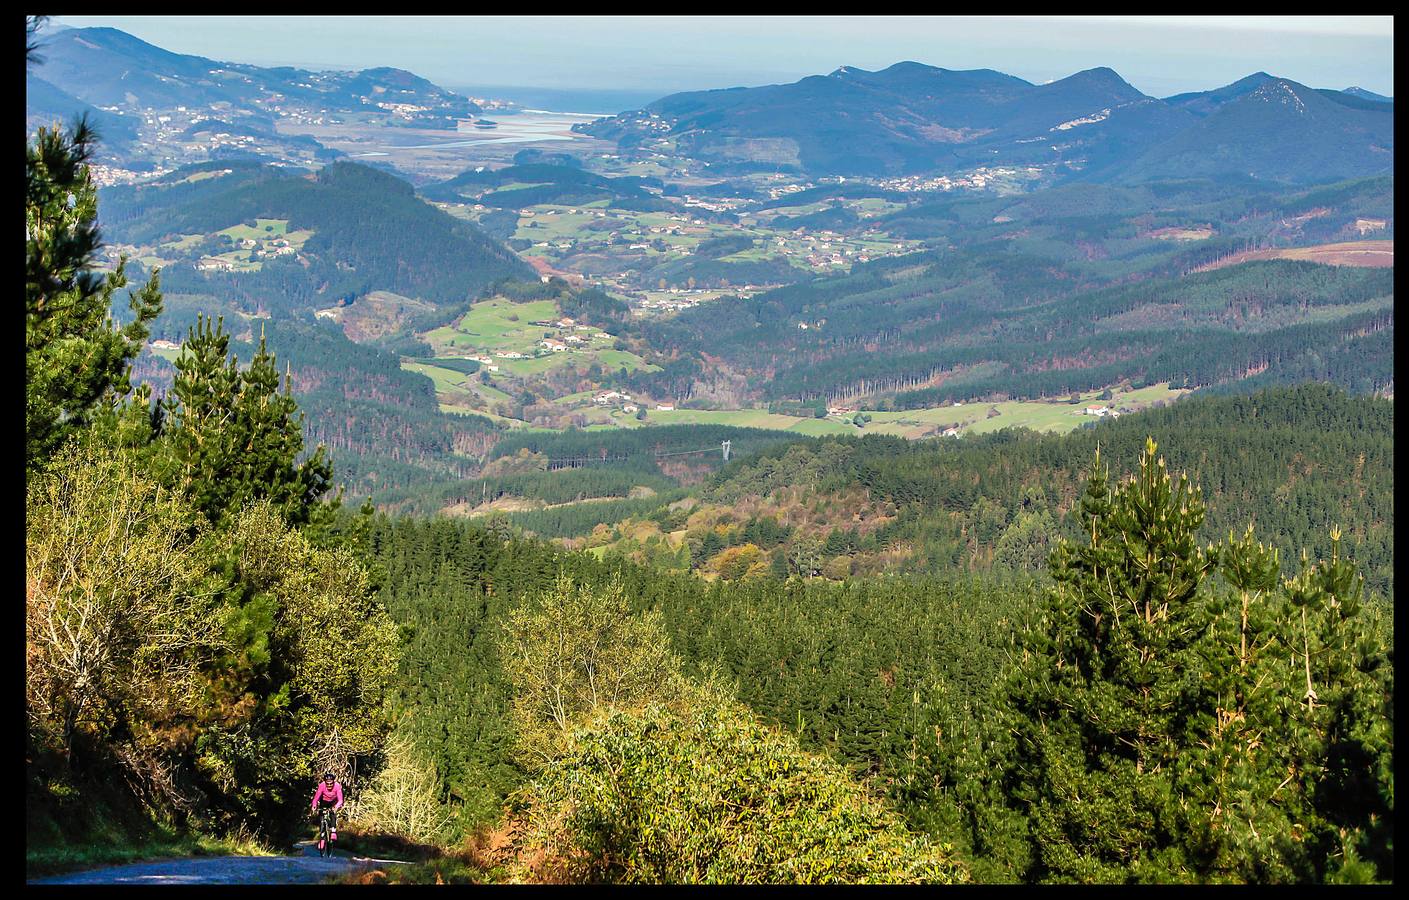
(911, 117)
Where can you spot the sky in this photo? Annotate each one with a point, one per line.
(1160, 55)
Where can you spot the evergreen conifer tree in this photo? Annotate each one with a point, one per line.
(232, 436)
(1170, 728)
(76, 356)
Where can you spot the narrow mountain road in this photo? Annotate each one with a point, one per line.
(305, 868)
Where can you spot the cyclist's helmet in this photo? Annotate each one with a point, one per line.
(327, 776)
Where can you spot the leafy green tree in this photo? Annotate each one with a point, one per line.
(404, 798)
(116, 626)
(1026, 543)
(574, 649)
(304, 683)
(1297, 783)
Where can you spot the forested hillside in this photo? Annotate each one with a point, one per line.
(1294, 461)
(1063, 290)
(369, 232)
(199, 637)
(906, 680)
(518, 186)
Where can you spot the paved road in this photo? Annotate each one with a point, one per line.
(307, 868)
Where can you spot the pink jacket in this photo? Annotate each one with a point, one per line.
(327, 793)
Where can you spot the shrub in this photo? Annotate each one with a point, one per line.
(700, 792)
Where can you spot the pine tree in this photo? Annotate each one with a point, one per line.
(1102, 695)
(1169, 728)
(76, 357)
(232, 436)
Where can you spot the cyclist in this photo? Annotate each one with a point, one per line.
(328, 799)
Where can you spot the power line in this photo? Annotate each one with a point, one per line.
(724, 448)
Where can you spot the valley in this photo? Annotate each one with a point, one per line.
(895, 475)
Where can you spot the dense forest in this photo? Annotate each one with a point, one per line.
(903, 680)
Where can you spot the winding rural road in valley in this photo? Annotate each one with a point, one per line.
(306, 868)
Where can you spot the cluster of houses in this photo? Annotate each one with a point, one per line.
(273, 247)
(215, 264)
(486, 361)
(563, 342)
(613, 398)
(979, 179)
(685, 298)
(1101, 412)
(608, 398)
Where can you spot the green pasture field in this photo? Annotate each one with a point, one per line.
(746, 418)
(874, 206)
(275, 228)
(201, 176)
(1039, 415)
(487, 326)
(517, 186)
(184, 242)
(615, 359)
(538, 365)
(451, 409)
(446, 380)
(488, 391)
(241, 259)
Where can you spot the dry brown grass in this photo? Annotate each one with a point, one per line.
(1373, 254)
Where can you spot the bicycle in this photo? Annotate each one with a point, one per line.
(326, 825)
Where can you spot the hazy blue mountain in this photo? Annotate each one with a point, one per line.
(1367, 95)
(1201, 103)
(1279, 131)
(906, 118)
(912, 118)
(46, 104)
(108, 67)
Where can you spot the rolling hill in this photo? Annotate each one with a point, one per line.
(361, 230)
(530, 184)
(48, 105)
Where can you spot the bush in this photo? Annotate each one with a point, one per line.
(573, 650)
(700, 792)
